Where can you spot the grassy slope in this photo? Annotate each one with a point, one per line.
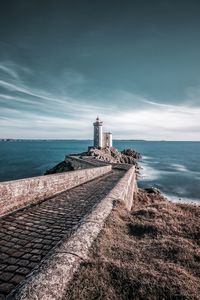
(151, 252)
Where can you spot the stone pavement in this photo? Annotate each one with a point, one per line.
(27, 236)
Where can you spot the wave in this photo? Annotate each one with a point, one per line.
(144, 157)
(184, 200)
(148, 173)
(179, 167)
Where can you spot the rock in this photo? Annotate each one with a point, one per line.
(59, 168)
(153, 190)
(132, 153)
(126, 159)
(112, 155)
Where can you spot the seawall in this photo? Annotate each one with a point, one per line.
(17, 194)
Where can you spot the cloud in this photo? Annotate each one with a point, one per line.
(30, 112)
(5, 69)
(24, 93)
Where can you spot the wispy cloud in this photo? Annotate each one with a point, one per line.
(7, 70)
(34, 95)
(31, 112)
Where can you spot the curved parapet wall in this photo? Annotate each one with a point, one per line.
(125, 189)
(16, 194)
(88, 162)
(79, 163)
(51, 279)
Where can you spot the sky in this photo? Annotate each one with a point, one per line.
(135, 64)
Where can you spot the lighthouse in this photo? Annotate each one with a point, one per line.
(101, 139)
(98, 133)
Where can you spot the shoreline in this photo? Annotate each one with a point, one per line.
(153, 174)
(177, 200)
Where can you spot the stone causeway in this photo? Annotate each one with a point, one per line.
(29, 235)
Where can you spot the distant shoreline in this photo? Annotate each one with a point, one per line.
(123, 140)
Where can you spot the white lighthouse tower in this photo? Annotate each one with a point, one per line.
(98, 133)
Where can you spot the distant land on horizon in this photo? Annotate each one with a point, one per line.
(134, 140)
(10, 140)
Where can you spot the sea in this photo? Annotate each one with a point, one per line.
(172, 167)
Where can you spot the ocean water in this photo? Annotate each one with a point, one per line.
(173, 167)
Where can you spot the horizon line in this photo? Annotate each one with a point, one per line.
(55, 139)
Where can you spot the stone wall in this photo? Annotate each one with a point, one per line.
(88, 162)
(126, 188)
(16, 194)
(79, 163)
(51, 279)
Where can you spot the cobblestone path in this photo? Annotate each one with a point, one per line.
(26, 236)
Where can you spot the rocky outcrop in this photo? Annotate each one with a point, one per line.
(112, 155)
(107, 155)
(132, 153)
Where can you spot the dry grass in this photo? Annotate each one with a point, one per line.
(151, 252)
